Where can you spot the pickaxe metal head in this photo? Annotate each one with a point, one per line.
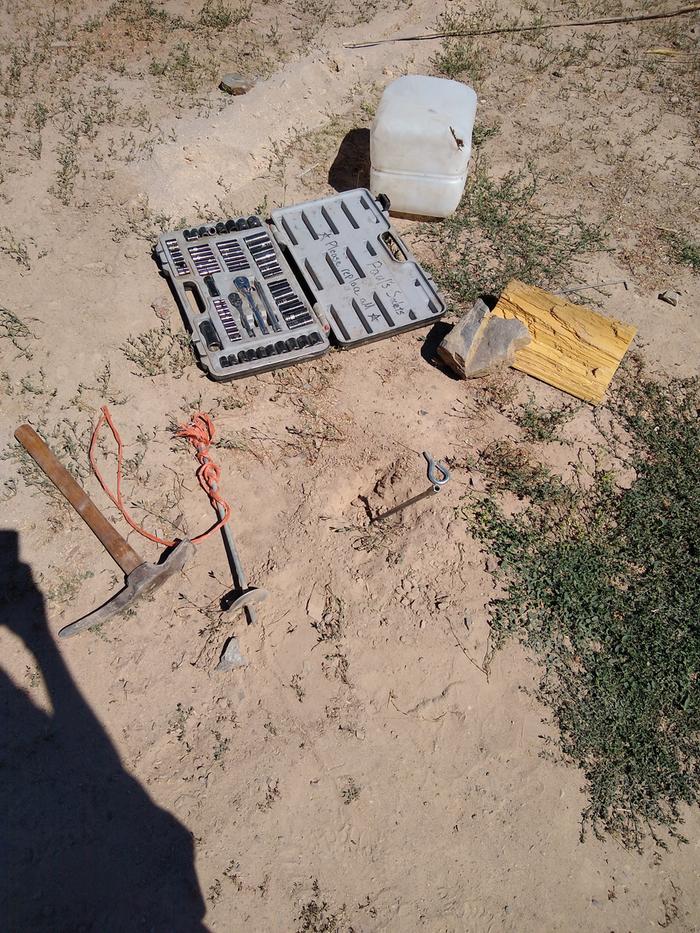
(142, 581)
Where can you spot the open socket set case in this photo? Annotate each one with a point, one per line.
(259, 295)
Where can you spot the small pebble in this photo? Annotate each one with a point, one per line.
(670, 297)
(161, 309)
(477, 481)
(236, 84)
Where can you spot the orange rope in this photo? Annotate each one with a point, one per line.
(200, 432)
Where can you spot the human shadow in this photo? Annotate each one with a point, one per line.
(351, 166)
(84, 848)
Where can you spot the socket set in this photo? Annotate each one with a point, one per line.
(259, 295)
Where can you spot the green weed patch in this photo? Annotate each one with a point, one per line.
(603, 588)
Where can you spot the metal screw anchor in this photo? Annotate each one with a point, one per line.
(438, 475)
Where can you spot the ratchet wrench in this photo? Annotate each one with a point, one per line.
(242, 283)
(271, 316)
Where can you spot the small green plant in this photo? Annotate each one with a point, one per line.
(14, 329)
(69, 441)
(336, 665)
(229, 402)
(603, 587)
(483, 132)
(684, 250)
(185, 69)
(14, 248)
(509, 467)
(158, 352)
(215, 14)
(542, 424)
(465, 56)
(36, 385)
(221, 746)
(317, 916)
(66, 586)
(460, 57)
(178, 722)
(313, 15)
(272, 793)
(103, 381)
(297, 684)
(350, 792)
(149, 16)
(499, 232)
(33, 676)
(232, 873)
(330, 626)
(143, 222)
(68, 170)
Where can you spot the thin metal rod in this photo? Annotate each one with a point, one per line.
(237, 572)
(397, 508)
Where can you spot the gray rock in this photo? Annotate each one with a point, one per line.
(479, 342)
(670, 296)
(500, 340)
(458, 346)
(232, 657)
(236, 84)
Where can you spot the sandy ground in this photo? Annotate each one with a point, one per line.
(362, 773)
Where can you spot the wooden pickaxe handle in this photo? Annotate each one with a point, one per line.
(116, 546)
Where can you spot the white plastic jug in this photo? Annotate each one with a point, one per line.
(420, 144)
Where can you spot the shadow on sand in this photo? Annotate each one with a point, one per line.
(83, 845)
(350, 168)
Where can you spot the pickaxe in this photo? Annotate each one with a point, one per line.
(142, 578)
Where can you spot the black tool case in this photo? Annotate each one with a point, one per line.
(257, 296)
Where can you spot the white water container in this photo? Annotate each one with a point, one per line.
(420, 144)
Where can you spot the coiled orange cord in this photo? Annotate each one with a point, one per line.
(200, 432)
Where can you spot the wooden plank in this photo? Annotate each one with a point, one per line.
(573, 348)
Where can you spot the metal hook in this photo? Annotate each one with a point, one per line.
(437, 482)
(433, 470)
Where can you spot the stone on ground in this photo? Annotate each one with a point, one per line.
(497, 346)
(459, 344)
(236, 84)
(670, 297)
(479, 342)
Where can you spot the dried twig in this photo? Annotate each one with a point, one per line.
(484, 670)
(594, 285)
(499, 30)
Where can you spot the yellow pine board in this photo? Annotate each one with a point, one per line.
(573, 348)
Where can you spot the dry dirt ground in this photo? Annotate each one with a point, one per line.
(362, 773)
